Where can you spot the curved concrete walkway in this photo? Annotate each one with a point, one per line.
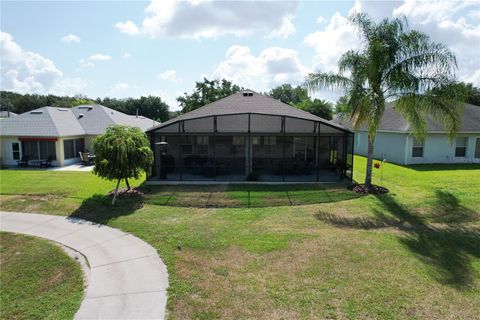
(128, 280)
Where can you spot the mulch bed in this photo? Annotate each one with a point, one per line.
(363, 189)
(132, 193)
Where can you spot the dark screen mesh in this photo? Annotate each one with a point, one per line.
(265, 123)
(232, 154)
(232, 123)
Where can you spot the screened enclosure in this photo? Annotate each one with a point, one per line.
(251, 147)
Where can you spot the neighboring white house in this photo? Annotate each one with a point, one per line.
(59, 133)
(395, 142)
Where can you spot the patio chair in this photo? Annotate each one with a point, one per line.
(47, 163)
(83, 158)
(23, 162)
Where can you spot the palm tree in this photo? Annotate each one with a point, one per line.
(394, 64)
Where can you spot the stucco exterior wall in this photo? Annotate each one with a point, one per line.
(389, 146)
(6, 152)
(438, 149)
(397, 148)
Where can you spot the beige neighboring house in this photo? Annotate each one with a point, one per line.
(59, 133)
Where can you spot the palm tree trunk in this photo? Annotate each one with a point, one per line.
(368, 175)
(128, 184)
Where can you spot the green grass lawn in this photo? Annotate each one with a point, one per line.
(38, 279)
(302, 251)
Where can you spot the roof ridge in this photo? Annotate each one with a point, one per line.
(51, 119)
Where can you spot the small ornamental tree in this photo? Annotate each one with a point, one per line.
(122, 153)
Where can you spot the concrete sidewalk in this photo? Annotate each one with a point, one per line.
(128, 280)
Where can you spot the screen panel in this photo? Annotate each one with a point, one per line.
(265, 123)
(198, 125)
(324, 129)
(232, 123)
(294, 125)
(172, 128)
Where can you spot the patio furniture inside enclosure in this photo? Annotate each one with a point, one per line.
(251, 146)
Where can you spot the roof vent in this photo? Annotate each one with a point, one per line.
(86, 107)
(36, 112)
(62, 109)
(80, 115)
(248, 94)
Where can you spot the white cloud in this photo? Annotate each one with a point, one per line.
(118, 88)
(99, 57)
(273, 66)
(210, 19)
(378, 10)
(126, 55)
(69, 38)
(28, 72)
(127, 27)
(441, 20)
(170, 75)
(331, 42)
(444, 22)
(320, 19)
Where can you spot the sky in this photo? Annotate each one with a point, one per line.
(133, 48)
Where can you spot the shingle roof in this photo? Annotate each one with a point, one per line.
(393, 121)
(42, 122)
(96, 118)
(238, 103)
(65, 122)
(7, 114)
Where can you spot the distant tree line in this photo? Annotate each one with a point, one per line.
(204, 92)
(152, 107)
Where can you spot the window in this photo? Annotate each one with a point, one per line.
(238, 140)
(202, 139)
(202, 144)
(16, 150)
(299, 148)
(270, 144)
(256, 140)
(417, 150)
(69, 149)
(477, 149)
(47, 150)
(39, 150)
(72, 148)
(270, 141)
(461, 147)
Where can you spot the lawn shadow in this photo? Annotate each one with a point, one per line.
(444, 167)
(449, 248)
(449, 210)
(246, 195)
(98, 208)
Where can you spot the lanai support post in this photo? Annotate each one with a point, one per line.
(283, 148)
(249, 146)
(180, 156)
(214, 148)
(318, 152)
